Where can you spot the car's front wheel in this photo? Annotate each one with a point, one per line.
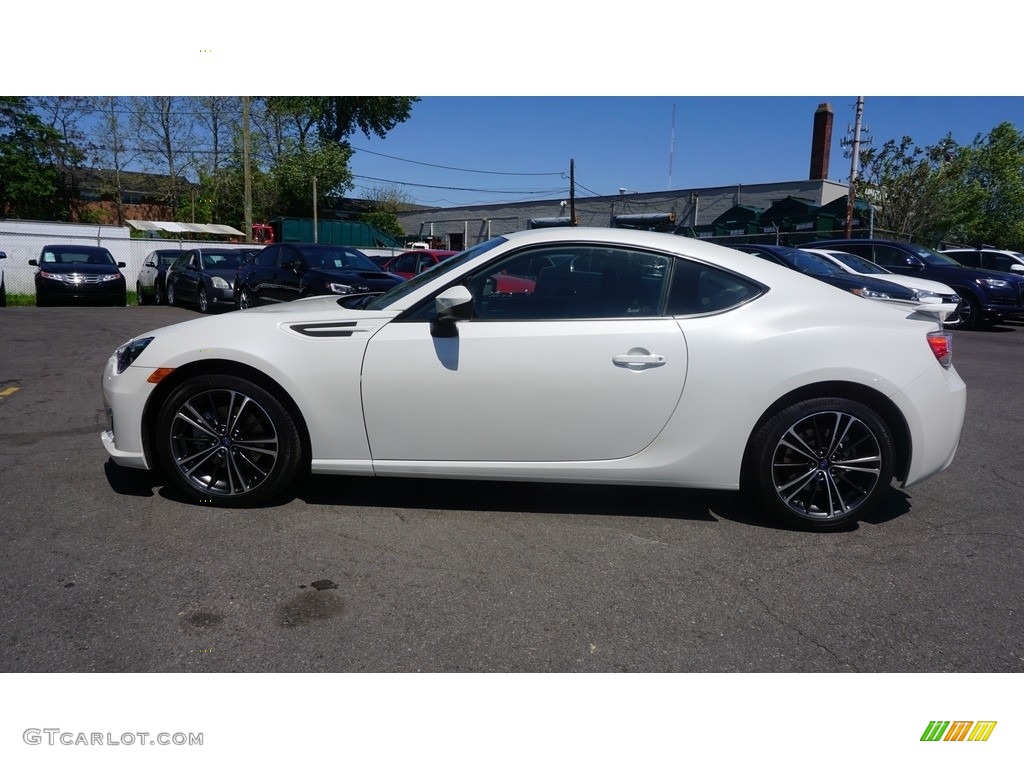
(967, 315)
(244, 299)
(158, 294)
(204, 300)
(224, 440)
(821, 464)
(170, 294)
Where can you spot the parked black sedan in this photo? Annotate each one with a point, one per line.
(150, 287)
(205, 277)
(80, 274)
(287, 271)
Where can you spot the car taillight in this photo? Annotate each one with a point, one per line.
(941, 343)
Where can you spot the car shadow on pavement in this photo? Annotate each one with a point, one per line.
(528, 497)
(130, 482)
(495, 496)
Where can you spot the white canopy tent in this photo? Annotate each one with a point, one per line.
(179, 227)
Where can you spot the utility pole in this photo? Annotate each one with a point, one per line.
(315, 233)
(854, 164)
(246, 174)
(572, 192)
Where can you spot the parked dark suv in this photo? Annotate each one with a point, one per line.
(988, 296)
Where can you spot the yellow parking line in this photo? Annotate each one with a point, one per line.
(9, 391)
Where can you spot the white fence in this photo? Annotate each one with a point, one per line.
(24, 240)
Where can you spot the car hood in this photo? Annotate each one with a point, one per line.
(354, 275)
(80, 269)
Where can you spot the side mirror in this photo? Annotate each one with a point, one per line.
(33, 263)
(1017, 267)
(3, 255)
(121, 264)
(452, 305)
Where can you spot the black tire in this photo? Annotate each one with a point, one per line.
(260, 457)
(244, 299)
(170, 294)
(158, 294)
(820, 464)
(203, 300)
(968, 315)
(140, 297)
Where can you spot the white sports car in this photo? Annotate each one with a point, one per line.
(555, 355)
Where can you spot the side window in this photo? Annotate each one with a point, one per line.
(571, 283)
(967, 258)
(405, 263)
(268, 256)
(858, 249)
(888, 256)
(1000, 262)
(699, 289)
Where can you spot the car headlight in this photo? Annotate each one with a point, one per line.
(128, 352)
(869, 293)
(989, 282)
(51, 276)
(221, 283)
(340, 288)
(108, 278)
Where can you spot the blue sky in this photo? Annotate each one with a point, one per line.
(466, 150)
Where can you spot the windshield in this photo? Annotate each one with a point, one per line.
(859, 264)
(936, 259)
(385, 300)
(83, 256)
(326, 257)
(809, 263)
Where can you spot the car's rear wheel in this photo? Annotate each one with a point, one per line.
(224, 440)
(821, 464)
(140, 297)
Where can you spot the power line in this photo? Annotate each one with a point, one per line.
(463, 170)
(549, 191)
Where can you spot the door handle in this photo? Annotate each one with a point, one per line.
(638, 360)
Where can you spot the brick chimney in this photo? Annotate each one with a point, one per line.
(821, 141)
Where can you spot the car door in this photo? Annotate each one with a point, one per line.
(577, 365)
(260, 276)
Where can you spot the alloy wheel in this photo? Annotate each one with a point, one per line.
(223, 442)
(826, 465)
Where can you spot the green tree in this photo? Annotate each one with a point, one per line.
(988, 197)
(29, 178)
(910, 187)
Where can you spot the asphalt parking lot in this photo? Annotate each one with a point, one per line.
(104, 569)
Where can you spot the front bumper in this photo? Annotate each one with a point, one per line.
(125, 395)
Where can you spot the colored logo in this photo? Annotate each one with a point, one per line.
(958, 730)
